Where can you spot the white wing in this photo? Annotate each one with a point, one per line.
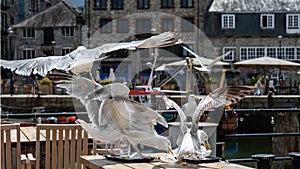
(217, 98)
(42, 65)
(74, 88)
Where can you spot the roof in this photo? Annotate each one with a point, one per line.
(255, 5)
(60, 14)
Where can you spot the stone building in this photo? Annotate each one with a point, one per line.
(123, 20)
(15, 11)
(54, 31)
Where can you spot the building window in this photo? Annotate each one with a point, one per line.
(167, 24)
(67, 31)
(4, 21)
(116, 4)
(122, 26)
(292, 23)
(66, 50)
(290, 53)
(28, 53)
(105, 25)
(100, 4)
(271, 52)
(187, 3)
(187, 24)
(286, 53)
(260, 52)
(143, 4)
(267, 21)
(32, 5)
(167, 3)
(28, 33)
(143, 26)
(228, 21)
(185, 53)
(230, 56)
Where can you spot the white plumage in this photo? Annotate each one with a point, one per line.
(81, 59)
(131, 119)
(191, 141)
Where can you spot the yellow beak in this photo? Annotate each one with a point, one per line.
(170, 152)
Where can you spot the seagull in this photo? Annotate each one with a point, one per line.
(185, 135)
(98, 129)
(81, 59)
(206, 68)
(189, 107)
(193, 139)
(129, 118)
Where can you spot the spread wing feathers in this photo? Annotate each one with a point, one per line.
(217, 98)
(183, 127)
(162, 40)
(74, 88)
(40, 65)
(137, 112)
(219, 58)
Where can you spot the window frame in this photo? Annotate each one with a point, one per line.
(117, 7)
(64, 31)
(187, 4)
(228, 16)
(142, 20)
(28, 33)
(142, 6)
(30, 55)
(167, 3)
(272, 26)
(70, 49)
(165, 22)
(100, 6)
(105, 28)
(231, 56)
(292, 29)
(125, 27)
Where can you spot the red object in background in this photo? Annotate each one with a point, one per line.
(66, 119)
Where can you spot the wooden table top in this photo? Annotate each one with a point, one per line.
(99, 162)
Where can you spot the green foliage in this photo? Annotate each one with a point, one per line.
(254, 79)
(45, 81)
(105, 81)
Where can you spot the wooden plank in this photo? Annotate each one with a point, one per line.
(66, 149)
(48, 155)
(38, 148)
(54, 148)
(60, 150)
(8, 150)
(18, 148)
(96, 161)
(72, 149)
(2, 149)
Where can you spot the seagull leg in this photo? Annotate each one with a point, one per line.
(83, 85)
(140, 153)
(93, 80)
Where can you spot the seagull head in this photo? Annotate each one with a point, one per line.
(107, 91)
(193, 97)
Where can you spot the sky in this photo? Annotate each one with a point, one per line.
(76, 2)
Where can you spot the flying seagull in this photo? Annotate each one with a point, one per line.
(208, 67)
(129, 118)
(81, 59)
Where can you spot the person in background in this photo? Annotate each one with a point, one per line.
(258, 86)
(272, 89)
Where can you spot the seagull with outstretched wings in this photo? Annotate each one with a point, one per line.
(81, 59)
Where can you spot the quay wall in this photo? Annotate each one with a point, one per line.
(65, 103)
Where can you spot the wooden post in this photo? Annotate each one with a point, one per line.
(286, 122)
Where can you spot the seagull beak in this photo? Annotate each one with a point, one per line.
(198, 98)
(170, 152)
(206, 145)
